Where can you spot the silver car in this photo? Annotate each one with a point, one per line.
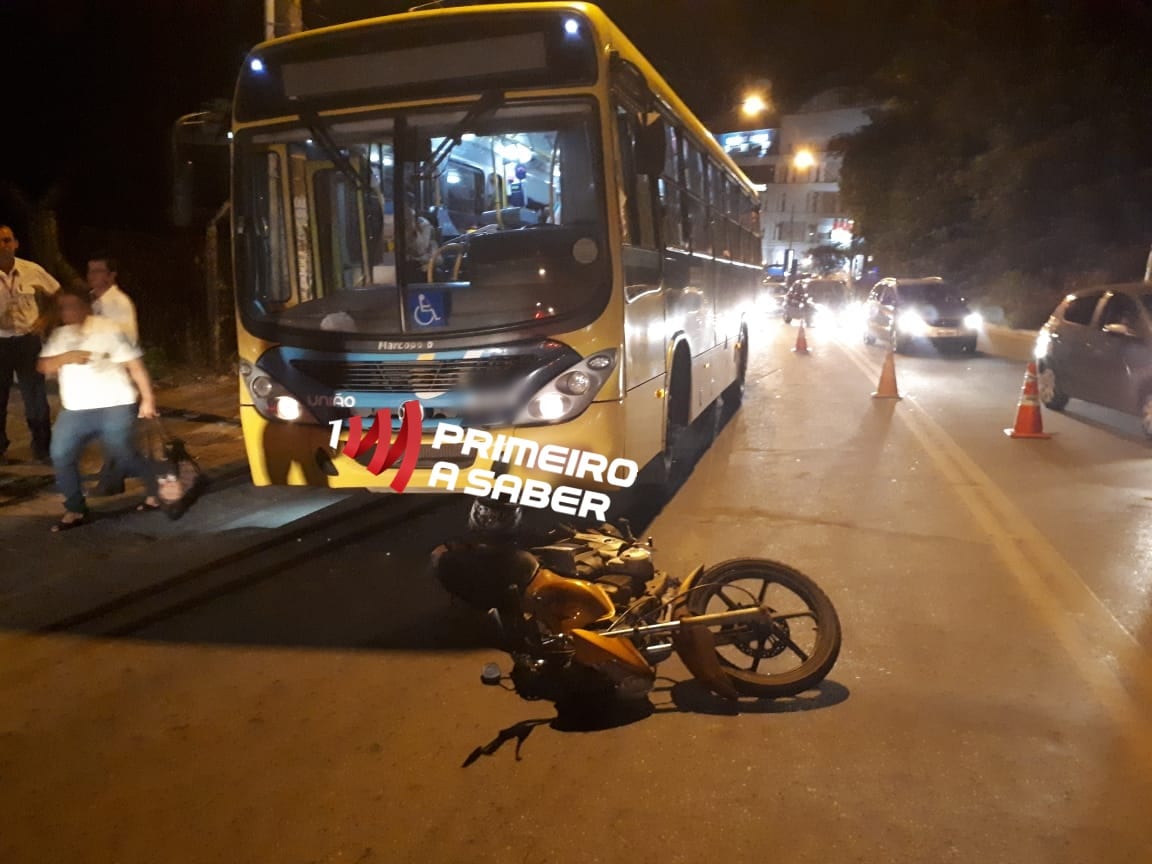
(904, 312)
(1097, 346)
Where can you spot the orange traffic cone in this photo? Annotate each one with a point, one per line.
(801, 340)
(1029, 424)
(886, 389)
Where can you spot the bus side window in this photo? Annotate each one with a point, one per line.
(670, 190)
(696, 224)
(636, 208)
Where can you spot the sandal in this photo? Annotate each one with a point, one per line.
(69, 524)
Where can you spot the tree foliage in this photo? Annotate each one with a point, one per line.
(1015, 138)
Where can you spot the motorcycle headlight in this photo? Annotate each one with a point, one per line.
(569, 393)
(973, 320)
(913, 323)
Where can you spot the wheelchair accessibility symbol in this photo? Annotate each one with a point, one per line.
(428, 310)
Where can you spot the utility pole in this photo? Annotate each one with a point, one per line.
(282, 17)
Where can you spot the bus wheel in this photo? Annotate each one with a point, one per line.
(678, 449)
(733, 396)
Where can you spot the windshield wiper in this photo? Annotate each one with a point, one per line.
(323, 136)
(486, 104)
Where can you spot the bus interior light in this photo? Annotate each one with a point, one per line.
(571, 26)
(256, 65)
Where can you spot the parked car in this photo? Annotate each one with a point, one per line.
(817, 300)
(906, 311)
(1097, 346)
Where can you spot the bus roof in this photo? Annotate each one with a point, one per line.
(611, 37)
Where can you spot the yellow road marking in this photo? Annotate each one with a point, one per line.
(1106, 655)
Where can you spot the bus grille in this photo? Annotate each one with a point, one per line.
(426, 376)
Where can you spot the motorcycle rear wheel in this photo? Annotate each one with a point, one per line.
(801, 643)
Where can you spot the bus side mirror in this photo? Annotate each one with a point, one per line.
(651, 147)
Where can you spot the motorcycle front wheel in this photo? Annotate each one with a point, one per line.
(789, 654)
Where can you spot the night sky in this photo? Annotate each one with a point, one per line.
(93, 87)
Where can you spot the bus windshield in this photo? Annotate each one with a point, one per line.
(447, 219)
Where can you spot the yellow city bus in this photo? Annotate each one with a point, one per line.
(500, 211)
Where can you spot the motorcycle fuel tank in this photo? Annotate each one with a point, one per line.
(562, 604)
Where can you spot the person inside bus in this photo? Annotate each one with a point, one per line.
(101, 375)
(420, 245)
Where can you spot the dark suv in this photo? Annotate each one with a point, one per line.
(1097, 346)
(905, 311)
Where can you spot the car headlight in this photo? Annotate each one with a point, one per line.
(569, 393)
(973, 320)
(913, 323)
(1043, 340)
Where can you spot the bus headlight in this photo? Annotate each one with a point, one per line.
(551, 406)
(569, 393)
(261, 387)
(973, 320)
(287, 408)
(273, 400)
(574, 383)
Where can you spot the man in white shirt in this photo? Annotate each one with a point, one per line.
(109, 301)
(101, 376)
(24, 288)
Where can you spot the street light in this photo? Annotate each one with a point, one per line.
(801, 160)
(753, 105)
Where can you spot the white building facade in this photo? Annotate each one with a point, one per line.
(800, 178)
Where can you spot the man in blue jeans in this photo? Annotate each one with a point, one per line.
(100, 376)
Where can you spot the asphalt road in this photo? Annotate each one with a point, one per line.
(993, 701)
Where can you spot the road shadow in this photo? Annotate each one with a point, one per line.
(368, 587)
(693, 697)
(1117, 423)
(646, 499)
(686, 697)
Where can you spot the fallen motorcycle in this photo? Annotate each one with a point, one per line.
(586, 614)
